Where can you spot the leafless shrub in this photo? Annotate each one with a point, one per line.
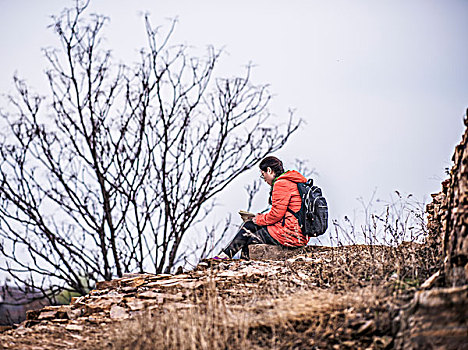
(110, 171)
(394, 238)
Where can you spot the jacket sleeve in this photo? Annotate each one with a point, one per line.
(280, 199)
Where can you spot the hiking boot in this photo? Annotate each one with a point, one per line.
(221, 256)
(217, 257)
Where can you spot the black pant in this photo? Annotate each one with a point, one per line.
(248, 234)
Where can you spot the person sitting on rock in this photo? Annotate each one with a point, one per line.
(278, 226)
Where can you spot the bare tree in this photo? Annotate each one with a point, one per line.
(112, 168)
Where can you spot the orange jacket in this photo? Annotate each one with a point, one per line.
(281, 224)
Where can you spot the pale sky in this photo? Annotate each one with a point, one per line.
(382, 85)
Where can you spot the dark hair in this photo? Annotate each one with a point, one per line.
(272, 162)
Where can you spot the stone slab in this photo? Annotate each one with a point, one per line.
(273, 252)
(436, 319)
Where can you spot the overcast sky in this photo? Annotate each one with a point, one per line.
(383, 85)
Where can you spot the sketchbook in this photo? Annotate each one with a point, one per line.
(246, 215)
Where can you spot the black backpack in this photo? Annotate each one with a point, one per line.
(313, 215)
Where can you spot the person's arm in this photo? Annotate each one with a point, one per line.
(280, 200)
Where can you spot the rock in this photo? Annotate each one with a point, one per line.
(5, 328)
(59, 321)
(46, 315)
(73, 314)
(133, 282)
(367, 327)
(191, 284)
(106, 284)
(448, 218)
(118, 313)
(430, 281)
(33, 314)
(136, 304)
(382, 342)
(159, 277)
(228, 273)
(443, 297)
(54, 312)
(77, 300)
(91, 309)
(149, 294)
(74, 327)
(165, 283)
(435, 319)
(179, 306)
(349, 344)
(131, 275)
(105, 302)
(273, 252)
(159, 297)
(128, 290)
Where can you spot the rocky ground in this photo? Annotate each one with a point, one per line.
(354, 297)
(318, 297)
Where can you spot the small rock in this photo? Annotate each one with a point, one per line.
(128, 290)
(75, 300)
(160, 276)
(383, 342)
(349, 344)
(228, 274)
(106, 302)
(92, 320)
(106, 284)
(133, 282)
(148, 295)
(91, 309)
(74, 314)
(118, 313)
(272, 252)
(367, 327)
(32, 314)
(165, 283)
(59, 320)
(47, 315)
(5, 328)
(135, 304)
(191, 284)
(430, 281)
(74, 328)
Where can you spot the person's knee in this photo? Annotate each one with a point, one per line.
(249, 225)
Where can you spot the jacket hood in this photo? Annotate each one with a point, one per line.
(292, 175)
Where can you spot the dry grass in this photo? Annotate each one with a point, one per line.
(303, 320)
(344, 297)
(348, 297)
(207, 325)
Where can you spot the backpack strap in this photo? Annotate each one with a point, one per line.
(296, 215)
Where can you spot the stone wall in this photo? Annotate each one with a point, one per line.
(437, 317)
(437, 218)
(448, 218)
